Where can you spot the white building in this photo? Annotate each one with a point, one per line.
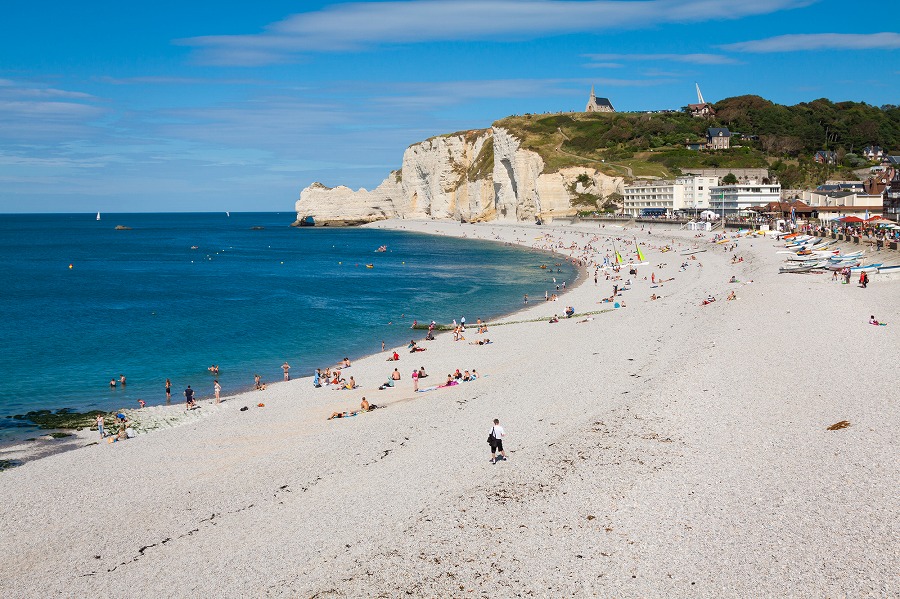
(735, 199)
(666, 197)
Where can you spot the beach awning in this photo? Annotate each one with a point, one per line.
(851, 219)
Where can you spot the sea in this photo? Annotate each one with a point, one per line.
(174, 294)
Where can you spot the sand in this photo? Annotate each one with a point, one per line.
(663, 448)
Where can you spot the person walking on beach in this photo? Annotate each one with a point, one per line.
(217, 388)
(415, 380)
(100, 426)
(286, 368)
(189, 398)
(168, 391)
(495, 438)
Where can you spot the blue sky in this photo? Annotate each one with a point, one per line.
(206, 106)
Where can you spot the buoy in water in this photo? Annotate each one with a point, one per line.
(70, 267)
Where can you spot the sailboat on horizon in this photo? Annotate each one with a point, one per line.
(98, 216)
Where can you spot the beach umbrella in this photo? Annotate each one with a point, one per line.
(851, 219)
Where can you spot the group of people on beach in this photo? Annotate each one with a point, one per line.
(124, 428)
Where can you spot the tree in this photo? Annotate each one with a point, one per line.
(729, 179)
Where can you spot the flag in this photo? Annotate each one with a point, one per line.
(867, 214)
(793, 216)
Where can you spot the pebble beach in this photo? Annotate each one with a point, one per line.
(661, 448)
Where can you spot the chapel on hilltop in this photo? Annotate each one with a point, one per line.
(596, 104)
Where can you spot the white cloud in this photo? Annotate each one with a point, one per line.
(352, 26)
(819, 41)
(688, 58)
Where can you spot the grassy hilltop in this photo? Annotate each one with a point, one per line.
(784, 138)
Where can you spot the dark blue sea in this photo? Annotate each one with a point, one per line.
(254, 293)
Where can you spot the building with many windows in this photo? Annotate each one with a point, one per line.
(661, 197)
(734, 200)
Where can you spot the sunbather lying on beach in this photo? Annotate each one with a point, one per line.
(484, 341)
(731, 296)
(709, 299)
(342, 415)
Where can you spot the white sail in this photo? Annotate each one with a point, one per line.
(98, 216)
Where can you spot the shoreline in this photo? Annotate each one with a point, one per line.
(666, 448)
(41, 443)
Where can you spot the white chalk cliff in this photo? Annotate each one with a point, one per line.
(472, 176)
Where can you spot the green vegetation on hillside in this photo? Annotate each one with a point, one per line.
(783, 138)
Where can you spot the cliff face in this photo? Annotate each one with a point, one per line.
(473, 176)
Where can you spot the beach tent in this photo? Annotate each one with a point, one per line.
(709, 214)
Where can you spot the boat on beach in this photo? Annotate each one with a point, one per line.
(868, 268)
(802, 268)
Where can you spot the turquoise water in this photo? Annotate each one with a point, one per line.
(254, 293)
